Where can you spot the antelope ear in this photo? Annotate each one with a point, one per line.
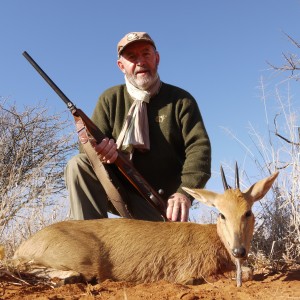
(204, 196)
(259, 189)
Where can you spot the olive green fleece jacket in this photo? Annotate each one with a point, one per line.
(180, 152)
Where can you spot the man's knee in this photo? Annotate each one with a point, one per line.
(77, 161)
(77, 167)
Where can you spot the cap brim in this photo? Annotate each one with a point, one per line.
(135, 41)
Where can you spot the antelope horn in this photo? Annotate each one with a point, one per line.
(237, 178)
(225, 185)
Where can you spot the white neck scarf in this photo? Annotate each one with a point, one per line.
(135, 131)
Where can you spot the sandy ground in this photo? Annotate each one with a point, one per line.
(284, 285)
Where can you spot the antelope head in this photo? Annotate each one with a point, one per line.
(235, 222)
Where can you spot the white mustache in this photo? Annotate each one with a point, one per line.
(141, 70)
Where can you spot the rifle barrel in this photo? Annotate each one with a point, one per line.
(58, 91)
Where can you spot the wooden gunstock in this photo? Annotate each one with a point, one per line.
(126, 167)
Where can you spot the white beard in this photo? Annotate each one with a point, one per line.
(142, 83)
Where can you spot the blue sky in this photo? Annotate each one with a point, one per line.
(217, 50)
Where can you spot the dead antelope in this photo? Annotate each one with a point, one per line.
(142, 251)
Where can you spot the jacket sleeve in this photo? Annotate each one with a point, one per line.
(100, 117)
(196, 169)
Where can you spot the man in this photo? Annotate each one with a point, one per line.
(161, 129)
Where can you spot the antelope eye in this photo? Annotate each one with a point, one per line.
(222, 216)
(248, 214)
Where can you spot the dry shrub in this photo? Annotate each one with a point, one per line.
(276, 241)
(34, 149)
(278, 234)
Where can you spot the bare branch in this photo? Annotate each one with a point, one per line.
(292, 62)
(282, 137)
(292, 40)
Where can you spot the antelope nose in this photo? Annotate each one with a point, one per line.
(239, 252)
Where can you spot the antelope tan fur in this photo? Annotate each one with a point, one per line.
(143, 251)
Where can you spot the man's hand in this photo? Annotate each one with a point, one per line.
(106, 151)
(178, 207)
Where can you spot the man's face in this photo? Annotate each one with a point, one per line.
(139, 62)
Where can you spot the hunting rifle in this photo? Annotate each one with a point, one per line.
(122, 162)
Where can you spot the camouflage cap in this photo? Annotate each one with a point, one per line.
(133, 37)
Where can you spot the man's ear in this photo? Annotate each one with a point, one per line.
(157, 57)
(120, 65)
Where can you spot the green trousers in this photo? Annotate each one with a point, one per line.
(88, 199)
